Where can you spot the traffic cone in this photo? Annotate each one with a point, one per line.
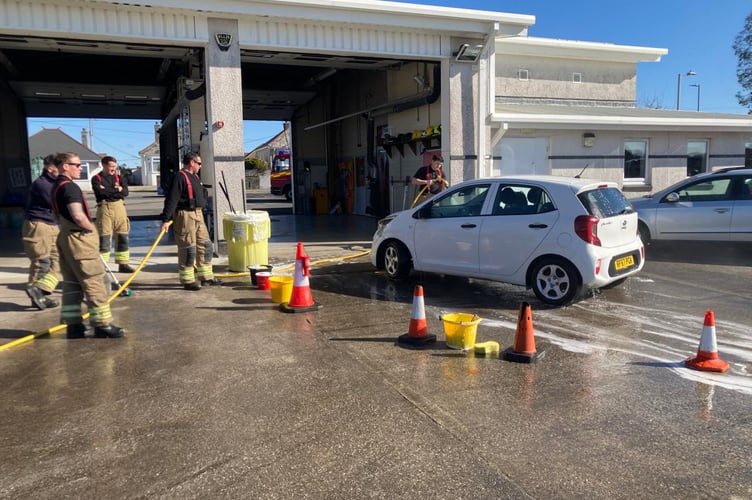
(523, 350)
(417, 335)
(300, 299)
(707, 359)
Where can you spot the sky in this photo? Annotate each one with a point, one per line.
(698, 35)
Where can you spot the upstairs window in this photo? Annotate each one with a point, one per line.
(522, 74)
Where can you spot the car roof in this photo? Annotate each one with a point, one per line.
(573, 182)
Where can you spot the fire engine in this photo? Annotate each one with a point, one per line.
(281, 175)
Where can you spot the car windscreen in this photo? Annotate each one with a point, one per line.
(605, 202)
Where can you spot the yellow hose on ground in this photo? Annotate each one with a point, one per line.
(288, 266)
(61, 326)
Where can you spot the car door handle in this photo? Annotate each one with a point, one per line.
(537, 226)
(467, 226)
(721, 210)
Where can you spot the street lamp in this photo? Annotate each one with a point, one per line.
(698, 94)
(678, 86)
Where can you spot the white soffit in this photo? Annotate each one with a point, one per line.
(619, 119)
(570, 49)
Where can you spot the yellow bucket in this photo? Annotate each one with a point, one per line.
(460, 330)
(281, 288)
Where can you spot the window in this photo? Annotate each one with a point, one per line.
(577, 77)
(716, 189)
(84, 170)
(154, 161)
(466, 202)
(635, 159)
(522, 74)
(520, 200)
(697, 157)
(748, 155)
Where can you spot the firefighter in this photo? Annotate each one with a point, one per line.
(80, 262)
(110, 191)
(183, 205)
(40, 239)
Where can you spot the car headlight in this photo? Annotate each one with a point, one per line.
(383, 223)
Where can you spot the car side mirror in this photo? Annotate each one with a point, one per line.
(424, 212)
(672, 197)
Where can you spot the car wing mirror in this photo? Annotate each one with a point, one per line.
(672, 197)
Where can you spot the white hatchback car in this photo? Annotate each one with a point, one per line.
(556, 235)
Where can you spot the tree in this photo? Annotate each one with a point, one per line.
(743, 50)
(257, 164)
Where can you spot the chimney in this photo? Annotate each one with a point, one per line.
(156, 132)
(84, 138)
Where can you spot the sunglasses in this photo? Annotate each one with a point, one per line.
(77, 165)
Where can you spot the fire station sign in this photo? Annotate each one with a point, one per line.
(224, 40)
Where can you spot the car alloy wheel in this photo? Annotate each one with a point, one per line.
(396, 260)
(556, 282)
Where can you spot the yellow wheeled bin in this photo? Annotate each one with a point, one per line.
(247, 236)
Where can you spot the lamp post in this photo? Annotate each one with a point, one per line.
(698, 94)
(678, 86)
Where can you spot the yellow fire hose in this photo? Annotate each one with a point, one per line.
(289, 266)
(61, 326)
(420, 193)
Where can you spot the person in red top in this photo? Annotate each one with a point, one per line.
(80, 263)
(184, 205)
(431, 176)
(110, 191)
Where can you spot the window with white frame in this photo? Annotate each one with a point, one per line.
(84, 170)
(154, 163)
(635, 159)
(522, 74)
(577, 77)
(697, 157)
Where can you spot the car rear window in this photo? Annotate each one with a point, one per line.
(605, 202)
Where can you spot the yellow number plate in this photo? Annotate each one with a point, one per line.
(627, 261)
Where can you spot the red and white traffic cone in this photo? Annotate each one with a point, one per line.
(707, 359)
(417, 335)
(523, 350)
(300, 299)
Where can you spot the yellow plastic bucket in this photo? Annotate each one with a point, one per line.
(281, 288)
(460, 330)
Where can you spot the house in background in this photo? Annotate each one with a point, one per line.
(266, 152)
(54, 140)
(147, 173)
(566, 108)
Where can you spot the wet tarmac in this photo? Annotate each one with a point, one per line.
(219, 394)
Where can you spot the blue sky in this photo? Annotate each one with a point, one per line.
(698, 35)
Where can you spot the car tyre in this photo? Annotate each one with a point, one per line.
(555, 282)
(288, 193)
(642, 228)
(396, 260)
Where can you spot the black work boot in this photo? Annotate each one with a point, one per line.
(108, 331)
(192, 286)
(49, 303)
(125, 268)
(37, 297)
(76, 331)
(211, 282)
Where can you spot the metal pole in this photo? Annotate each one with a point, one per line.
(678, 90)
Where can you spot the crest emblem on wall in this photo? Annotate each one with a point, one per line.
(224, 40)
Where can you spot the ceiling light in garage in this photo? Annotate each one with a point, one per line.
(47, 94)
(468, 53)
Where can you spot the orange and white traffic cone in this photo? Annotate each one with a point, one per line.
(707, 359)
(417, 335)
(300, 299)
(523, 350)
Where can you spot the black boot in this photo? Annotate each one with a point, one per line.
(76, 331)
(211, 282)
(37, 297)
(49, 303)
(192, 286)
(108, 331)
(125, 268)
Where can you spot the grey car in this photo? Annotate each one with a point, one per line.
(714, 206)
